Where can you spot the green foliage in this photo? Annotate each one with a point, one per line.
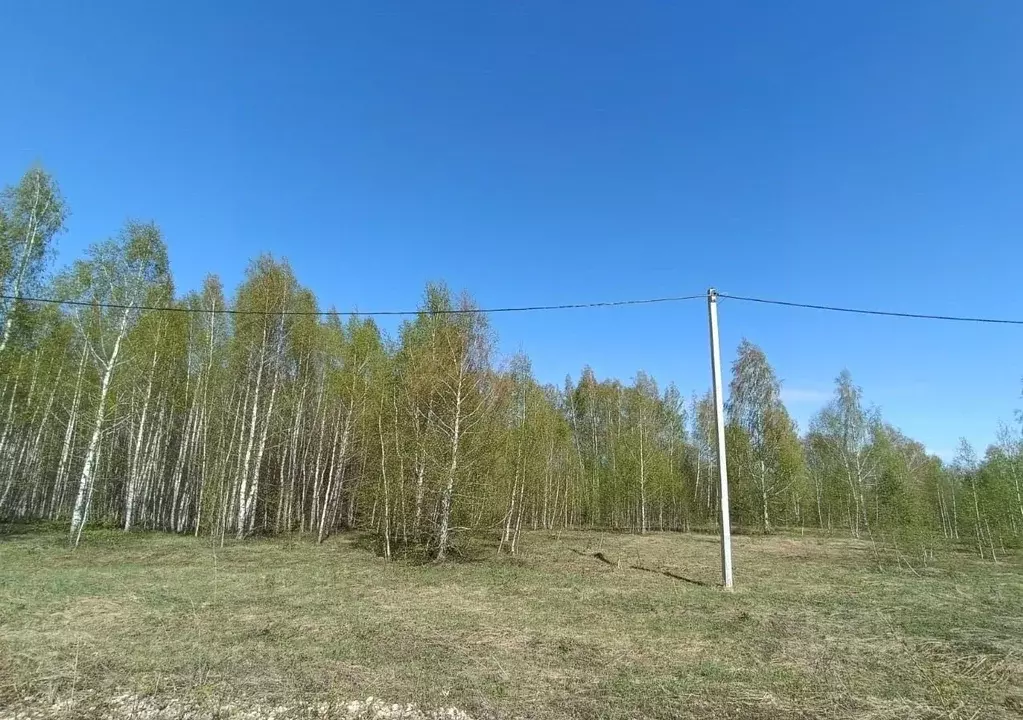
(276, 418)
(765, 457)
(32, 214)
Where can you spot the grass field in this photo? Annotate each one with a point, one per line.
(582, 625)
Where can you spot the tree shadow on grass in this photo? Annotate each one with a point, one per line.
(666, 573)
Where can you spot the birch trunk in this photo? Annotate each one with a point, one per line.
(243, 474)
(81, 511)
(642, 478)
(133, 473)
(449, 486)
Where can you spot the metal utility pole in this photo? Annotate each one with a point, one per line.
(719, 416)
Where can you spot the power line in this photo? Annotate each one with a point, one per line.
(884, 313)
(453, 311)
(522, 308)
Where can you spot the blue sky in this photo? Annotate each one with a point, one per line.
(864, 154)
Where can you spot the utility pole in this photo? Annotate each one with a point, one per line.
(719, 416)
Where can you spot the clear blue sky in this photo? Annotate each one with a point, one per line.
(857, 153)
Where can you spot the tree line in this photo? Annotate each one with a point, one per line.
(135, 407)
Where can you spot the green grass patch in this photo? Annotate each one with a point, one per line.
(581, 625)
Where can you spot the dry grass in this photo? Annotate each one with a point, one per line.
(583, 625)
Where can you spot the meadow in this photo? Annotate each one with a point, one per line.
(577, 625)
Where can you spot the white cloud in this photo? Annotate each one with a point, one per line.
(804, 395)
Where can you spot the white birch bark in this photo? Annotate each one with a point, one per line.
(81, 509)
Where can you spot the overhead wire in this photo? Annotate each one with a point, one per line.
(521, 308)
(451, 311)
(863, 311)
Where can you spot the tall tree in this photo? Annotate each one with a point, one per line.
(464, 397)
(966, 469)
(845, 431)
(766, 448)
(117, 278)
(32, 213)
(254, 415)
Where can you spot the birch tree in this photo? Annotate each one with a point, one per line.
(966, 468)
(229, 417)
(845, 430)
(463, 343)
(116, 278)
(267, 297)
(32, 214)
(767, 450)
(645, 415)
